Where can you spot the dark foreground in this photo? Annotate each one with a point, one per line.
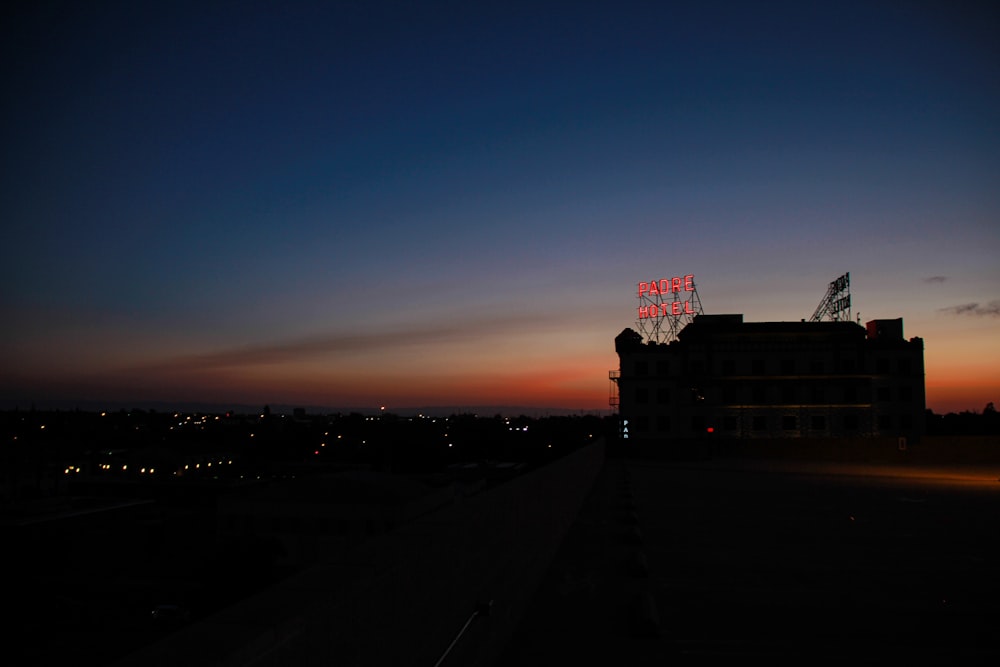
(704, 563)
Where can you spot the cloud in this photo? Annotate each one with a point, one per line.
(935, 279)
(974, 309)
(434, 333)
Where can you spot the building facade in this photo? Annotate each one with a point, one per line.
(726, 378)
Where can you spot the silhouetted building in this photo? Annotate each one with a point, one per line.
(726, 378)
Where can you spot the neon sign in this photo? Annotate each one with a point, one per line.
(652, 293)
(667, 285)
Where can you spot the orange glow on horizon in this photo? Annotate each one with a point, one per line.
(560, 374)
(957, 383)
(960, 395)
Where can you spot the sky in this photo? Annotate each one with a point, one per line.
(404, 204)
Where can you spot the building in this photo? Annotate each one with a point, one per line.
(726, 378)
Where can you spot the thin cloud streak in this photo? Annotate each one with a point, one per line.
(936, 280)
(385, 339)
(974, 309)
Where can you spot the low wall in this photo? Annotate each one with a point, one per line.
(956, 449)
(928, 449)
(404, 597)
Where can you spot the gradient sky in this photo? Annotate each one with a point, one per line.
(353, 204)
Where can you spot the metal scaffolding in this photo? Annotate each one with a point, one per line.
(836, 303)
(664, 312)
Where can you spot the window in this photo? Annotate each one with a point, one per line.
(904, 367)
(642, 368)
(905, 393)
(817, 423)
(663, 368)
(728, 367)
(730, 423)
(882, 366)
(759, 423)
(884, 422)
(642, 395)
(817, 367)
(757, 366)
(882, 394)
(789, 422)
(787, 393)
(787, 366)
(850, 422)
(662, 395)
(663, 424)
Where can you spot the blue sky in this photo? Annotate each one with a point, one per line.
(350, 204)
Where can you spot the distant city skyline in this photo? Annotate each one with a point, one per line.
(384, 203)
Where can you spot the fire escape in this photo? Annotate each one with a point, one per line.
(613, 376)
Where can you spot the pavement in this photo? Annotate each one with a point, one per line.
(694, 563)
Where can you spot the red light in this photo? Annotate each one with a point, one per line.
(656, 291)
(710, 429)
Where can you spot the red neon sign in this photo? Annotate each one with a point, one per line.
(667, 285)
(654, 290)
(675, 308)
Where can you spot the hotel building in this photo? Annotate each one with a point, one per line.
(726, 378)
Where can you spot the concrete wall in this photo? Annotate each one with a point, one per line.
(403, 597)
(956, 449)
(926, 450)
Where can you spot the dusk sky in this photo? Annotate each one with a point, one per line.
(354, 204)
